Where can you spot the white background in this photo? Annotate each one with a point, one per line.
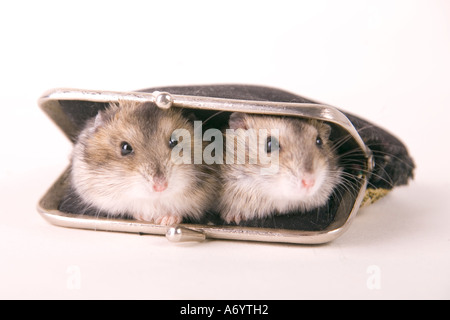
(387, 61)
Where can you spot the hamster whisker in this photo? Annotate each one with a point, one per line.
(378, 153)
(336, 144)
(373, 174)
(344, 186)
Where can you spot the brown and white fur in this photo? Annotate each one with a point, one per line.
(139, 179)
(307, 169)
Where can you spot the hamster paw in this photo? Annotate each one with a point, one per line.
(164, 220)
(168, 220)
(233, 218)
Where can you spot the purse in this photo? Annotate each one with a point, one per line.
(379, 161)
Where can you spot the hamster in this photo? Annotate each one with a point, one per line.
(122, 166)
(304, 167)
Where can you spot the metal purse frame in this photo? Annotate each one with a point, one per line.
(48, 204)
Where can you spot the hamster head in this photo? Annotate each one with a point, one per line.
(122, 164)
(304, 167)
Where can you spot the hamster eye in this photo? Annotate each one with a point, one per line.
(172, 142)
(319, 141)
(272, 144)
(125, 148)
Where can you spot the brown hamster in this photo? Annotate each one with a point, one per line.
(303, 168)
(122, 166)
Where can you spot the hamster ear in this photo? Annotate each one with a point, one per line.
(191, 116)
(323, 128)
(326, 130)
(238, 121)
(99, 120)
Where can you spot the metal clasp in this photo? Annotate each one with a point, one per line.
(182, 234)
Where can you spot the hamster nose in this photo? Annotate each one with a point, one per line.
(308, 183)
(159, 184)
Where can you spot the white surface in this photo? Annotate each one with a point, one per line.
(387, 61)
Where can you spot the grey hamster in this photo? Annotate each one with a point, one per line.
(122, 166)
(301, 174)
